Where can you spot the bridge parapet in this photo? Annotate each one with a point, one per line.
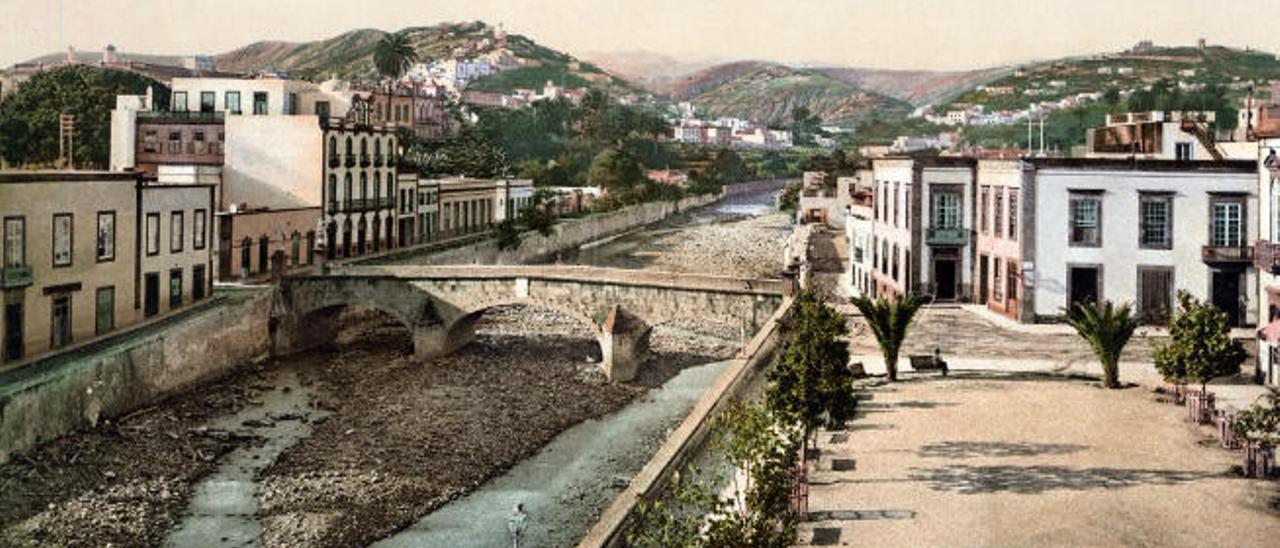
(441, 304)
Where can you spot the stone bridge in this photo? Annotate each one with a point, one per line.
(441, 304)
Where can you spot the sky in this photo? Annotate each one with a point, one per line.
(919, 34)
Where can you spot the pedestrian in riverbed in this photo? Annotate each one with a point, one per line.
(516, 524)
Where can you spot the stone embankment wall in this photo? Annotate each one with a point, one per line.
(754, 187)
(567, 234)
(690, 437)
(46, 399)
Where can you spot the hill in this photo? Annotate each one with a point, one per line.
(918, 87)
(1188, 68)
(766, 93)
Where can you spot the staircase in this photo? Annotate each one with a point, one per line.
(1203, 135)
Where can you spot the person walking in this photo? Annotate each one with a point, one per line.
(516, 524)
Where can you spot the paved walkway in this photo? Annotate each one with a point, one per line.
(1011, 459)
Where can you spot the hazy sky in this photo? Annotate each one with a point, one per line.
(926, 34)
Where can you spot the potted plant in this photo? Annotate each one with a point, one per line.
(1259, 427)
(1200, 349)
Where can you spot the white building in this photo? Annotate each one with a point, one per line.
(1267, 258)
(1158, 136)
(1138, 231)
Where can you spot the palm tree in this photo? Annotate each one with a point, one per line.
(394, 55)
(889, 321)
(1107, 328)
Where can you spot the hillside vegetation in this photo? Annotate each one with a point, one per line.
(768, 93)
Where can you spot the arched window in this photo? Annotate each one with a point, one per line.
(379, 111)
(333, 192)
(346, 188)
(364, 147)
(333, 146)
(377, 147)
(311, 247)
(364, 186)
(391, 186)
(377, 184)
(246, 253)
(295, 251)
(264, 245)
(348, 146)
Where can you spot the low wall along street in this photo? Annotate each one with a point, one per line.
(109, 378)
(690, 437)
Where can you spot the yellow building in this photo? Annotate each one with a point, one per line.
(74, 264)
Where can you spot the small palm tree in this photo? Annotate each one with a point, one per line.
(889, 321)
(394, 55)
(1107, 328)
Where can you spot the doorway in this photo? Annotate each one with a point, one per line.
(1226, 295)
(151, 294)
(61, 319)
(983, 279)
(1085, 286)
(13, 331)
(944, 276)
(1155, 294)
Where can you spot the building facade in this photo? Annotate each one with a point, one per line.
(1001, 221)
(89, 253)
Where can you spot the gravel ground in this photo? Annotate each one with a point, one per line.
(388, 456)
(125, 482)
(746, 247)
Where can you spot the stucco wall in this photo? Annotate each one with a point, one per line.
(1120, 253)
(45, 400)
(261, 171)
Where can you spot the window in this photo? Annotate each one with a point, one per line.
(946, 210)
(151, 141)
(106, 317)
(175, 288)
(1013, 214)
(15, 242)
(175, 232)
(377, 184)
(295, 249)
(1182, 151)
(62, 239)
(207, 100)
(997, 286)
(153, 233)
(233, 102)
(198, 282)
(984, 217)
(175, 142)
(364, 186)
(106, 236)
(894, 265)
(1155, 216)
(179, 101)
(259, 102)
(322, 109)
(346, 188)
(1228, 223)
(13, 320)
(311, 247)
(198, 136)
(1086, 221)
(333, 193)
(997, 224)
(198, 222)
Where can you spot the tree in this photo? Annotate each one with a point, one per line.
(811, 383)
(616, 168)
(469, 153)
(29, 117)
(1260, 422)
(1107, 328)
(789, 199)
(804, 125)
(393, 55)
(889, 321)
(1200, 346)
(727, 167)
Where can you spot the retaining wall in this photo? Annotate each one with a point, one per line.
(108, 378)
(688, 439)
(753, 187)
(566, 235)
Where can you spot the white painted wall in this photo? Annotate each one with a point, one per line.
(1120, 253)
(949, 176)
(273, 161)
(896, 229)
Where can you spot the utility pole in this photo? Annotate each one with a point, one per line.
(1042, 136)
(66, 140)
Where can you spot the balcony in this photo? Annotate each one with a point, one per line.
(1226, 254)
(377, 160)
(334, 161)
(351, 161)
(13, 277)
(364, 160)
(948, 237)
(1266, 256)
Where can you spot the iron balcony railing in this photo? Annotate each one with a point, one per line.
(12, 277)
(1226, 254)
(377, 160)
(948, 236)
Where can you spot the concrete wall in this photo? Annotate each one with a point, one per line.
(45, 400)
(566, 235)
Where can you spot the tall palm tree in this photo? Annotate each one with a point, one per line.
(1107, 328)
(394, 55)
(889, 321)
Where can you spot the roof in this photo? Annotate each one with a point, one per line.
(49, 176)
(1125, 164)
